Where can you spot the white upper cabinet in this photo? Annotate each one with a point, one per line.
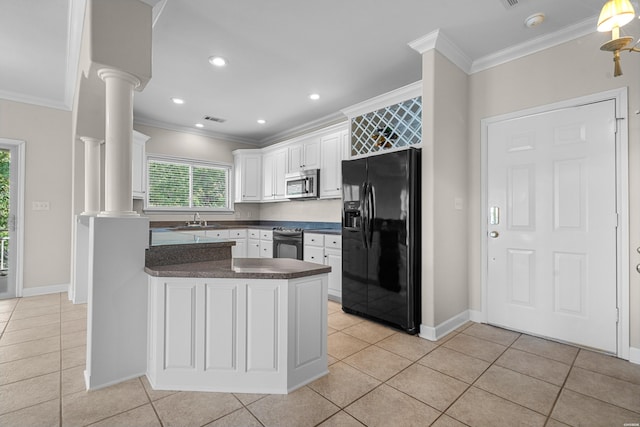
(138, 165)
(274, 167)
(248, 166)
(304, 155)
(331, 154)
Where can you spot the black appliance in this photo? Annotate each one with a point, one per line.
(381, 238)
(287, 242)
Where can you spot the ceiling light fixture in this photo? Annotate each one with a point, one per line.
(314, 96)
(218, 61)
(199, 125)
(178, 101)
(262, 121)
(616, 14)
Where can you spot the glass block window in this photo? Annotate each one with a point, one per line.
(398, 125)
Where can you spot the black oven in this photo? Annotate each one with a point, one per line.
(287, 243)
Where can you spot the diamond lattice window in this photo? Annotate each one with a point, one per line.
(398, 125)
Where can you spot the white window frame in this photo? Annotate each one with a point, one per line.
(190, 162)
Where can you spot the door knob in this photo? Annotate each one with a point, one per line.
(494, 234)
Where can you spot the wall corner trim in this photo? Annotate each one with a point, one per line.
(439, 41)
(634, 355)
(435, 333)
(45, 290)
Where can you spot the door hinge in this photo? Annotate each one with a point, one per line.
(617, 315)
(618, 120)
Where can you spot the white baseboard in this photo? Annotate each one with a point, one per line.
(435, 333)
(476, 316)
(634, 355)
(45, 290)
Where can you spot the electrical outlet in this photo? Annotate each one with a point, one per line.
(40, 206)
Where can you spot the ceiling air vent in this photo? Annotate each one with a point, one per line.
(510, 3)
(215, 119)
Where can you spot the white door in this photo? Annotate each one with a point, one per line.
(552, 225)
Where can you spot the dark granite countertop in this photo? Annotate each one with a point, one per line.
(247, 268)
(325, 231)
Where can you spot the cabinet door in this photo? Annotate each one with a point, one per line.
(138, 165)
(240, 249)
(253, 248)
(314, 254)
(266, 248)
(250, 177)
(331, 171)
(268, 176)
(333, 258)
(279, 171)
(312, 239)
(304, 155)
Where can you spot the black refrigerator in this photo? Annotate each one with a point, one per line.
(381, 238)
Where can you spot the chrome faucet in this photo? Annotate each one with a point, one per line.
(196, 218)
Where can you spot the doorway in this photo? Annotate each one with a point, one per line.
(11, 217)
(555, 223)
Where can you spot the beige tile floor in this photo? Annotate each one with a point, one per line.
(477, 376)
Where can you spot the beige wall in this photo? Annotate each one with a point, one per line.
(444, 179)
(571, 70)
(172, 143)
(311, 210)
(47, 234)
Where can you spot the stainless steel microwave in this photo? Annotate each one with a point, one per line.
(303, 184)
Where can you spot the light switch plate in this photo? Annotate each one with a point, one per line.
(40, 206)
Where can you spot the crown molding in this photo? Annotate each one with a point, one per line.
(184, 129)
(535, 45)
(401, 94)
(307, 128)
(439, 41)
(34, 100)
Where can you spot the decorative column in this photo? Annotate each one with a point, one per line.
(91, 175)
(118, 201)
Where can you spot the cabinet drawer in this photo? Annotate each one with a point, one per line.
(333, 241)
(253, 234)
(218, 234)
(311, 239)
(238, 234)
(266, 249)
(266, 235)
(314, 254)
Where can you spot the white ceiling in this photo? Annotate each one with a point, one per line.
(279, 51)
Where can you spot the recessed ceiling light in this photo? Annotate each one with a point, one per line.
(178, 101)
(262, 121)
(218, 61)
(314, 96)
(199, 125)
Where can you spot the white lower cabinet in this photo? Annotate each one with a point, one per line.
(236, 335)
(240, 237)
(266, 243)
(326, 249)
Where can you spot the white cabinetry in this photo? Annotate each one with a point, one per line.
(236, 335)
(274, 167)
(304, 155)
(139, 165)
(332, 152)
(326, 249)
(266, 243)
(240, 237)
(248, 165)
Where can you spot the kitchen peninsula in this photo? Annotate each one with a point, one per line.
(247, 325)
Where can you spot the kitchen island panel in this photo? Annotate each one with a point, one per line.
(249, 335)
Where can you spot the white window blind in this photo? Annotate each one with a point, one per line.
(181, 184)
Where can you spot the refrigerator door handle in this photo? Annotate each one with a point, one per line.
(364, 225)
(372, 214)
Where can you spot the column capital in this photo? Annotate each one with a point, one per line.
(91, 140)
(107, 73)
